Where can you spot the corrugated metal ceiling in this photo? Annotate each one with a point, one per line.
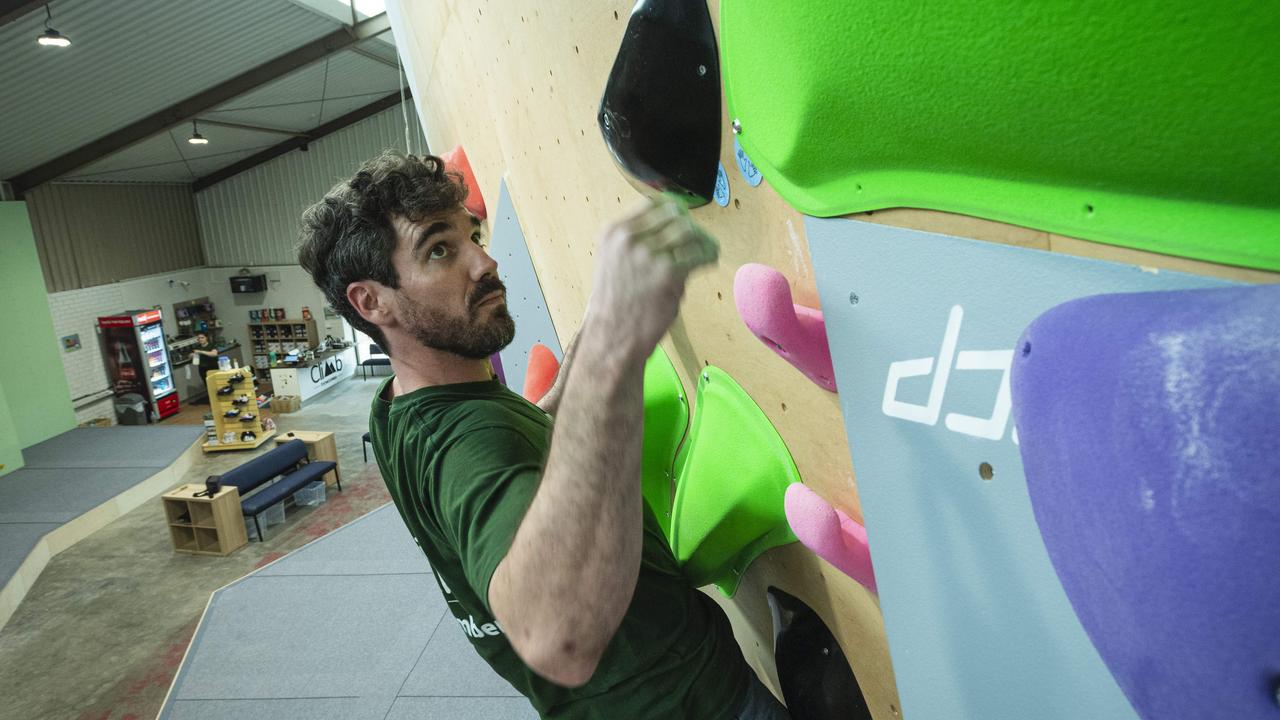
(131, 59)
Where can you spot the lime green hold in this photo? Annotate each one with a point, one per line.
(666, 420)
(732, 478)
(1150, 125)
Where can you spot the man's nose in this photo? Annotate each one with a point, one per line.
(483, 264)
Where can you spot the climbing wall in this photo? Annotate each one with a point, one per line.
(518, 83)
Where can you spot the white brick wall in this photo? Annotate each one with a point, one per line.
(101, 409)
(77, 311)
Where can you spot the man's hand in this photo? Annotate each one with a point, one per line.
(643, 263)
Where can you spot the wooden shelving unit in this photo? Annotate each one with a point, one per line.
(231, 410)
(280, 337)
(204, 525)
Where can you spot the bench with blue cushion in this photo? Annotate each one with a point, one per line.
(288, 462)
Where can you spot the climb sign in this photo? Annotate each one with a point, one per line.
(922, 329)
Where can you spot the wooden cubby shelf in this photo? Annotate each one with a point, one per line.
(204, 525)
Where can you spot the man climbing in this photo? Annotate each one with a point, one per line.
(546, 554)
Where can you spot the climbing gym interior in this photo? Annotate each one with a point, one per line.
(977, 415)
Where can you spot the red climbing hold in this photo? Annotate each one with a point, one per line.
(540, 373)
(456, 161)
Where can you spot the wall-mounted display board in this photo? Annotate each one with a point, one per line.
(922, 330)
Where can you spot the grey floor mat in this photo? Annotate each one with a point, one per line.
(311, 636)
(379, 544)
(16, 541)
(72, 473)
(57, 495)
(154, 446)
(309, 708)
(352, 626)
(461, 708)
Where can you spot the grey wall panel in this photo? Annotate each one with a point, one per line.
(524, 293)
(252, 218)
(90, 234)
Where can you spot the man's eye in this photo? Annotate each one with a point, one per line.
(438, 251)
(477, 239)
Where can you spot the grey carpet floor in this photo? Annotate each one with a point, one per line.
(72, 473)
(350, 626)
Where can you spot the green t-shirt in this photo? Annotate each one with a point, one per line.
(462, 463)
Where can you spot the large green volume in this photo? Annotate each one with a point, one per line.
(1153, 125)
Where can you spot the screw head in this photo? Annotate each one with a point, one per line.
(737, 126)
(853, 298)
(702, 71)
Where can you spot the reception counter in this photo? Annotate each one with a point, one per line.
(308, 379)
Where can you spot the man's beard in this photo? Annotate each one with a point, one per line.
(470, 336)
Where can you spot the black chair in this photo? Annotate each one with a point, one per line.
(365, 446)
(373, 361)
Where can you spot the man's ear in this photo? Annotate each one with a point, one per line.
(365, 297)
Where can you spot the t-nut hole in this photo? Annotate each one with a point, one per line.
(985, 472)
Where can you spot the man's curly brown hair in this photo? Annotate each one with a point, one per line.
(348, 235)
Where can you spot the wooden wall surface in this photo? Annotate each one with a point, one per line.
(518, 84)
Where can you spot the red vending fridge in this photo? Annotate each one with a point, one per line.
(133, 348)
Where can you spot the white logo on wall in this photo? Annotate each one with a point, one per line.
(988, 428)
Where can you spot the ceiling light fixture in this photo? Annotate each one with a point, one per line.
(196, 138)
(50, 36)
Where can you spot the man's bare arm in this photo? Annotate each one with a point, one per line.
(550, 402)
(567, 580)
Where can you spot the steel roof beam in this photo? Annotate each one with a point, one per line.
(191, 107)
(254, 128)
(11, 10)
(296, 143)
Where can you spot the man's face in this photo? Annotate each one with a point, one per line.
(450, 297)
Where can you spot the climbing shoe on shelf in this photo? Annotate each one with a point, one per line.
(248, 436)
(227, 390)
(247, 418)
(231, 413)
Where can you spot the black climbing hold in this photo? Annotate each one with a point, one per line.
(817, 682)
(660, 113)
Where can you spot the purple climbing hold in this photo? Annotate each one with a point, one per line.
(495, 360)
(1149, 426)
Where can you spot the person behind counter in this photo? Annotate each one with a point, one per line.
(205, 356)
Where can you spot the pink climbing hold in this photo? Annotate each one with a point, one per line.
(795, 332)
(456, 161)
(830, 534)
